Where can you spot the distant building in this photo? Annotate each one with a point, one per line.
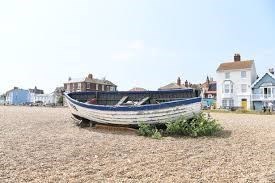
(209, 89)
(175, 86)
(234, 80)
(17, 96)
(138, 89)
(89, 84)
(46, 99)
(2, 99)
(209, 92)
(263, 91)
(36, 91)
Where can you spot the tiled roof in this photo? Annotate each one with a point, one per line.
(172, 86)
(236, 65)
(94, 80)
(210, 92)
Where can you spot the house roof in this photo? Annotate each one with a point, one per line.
(15, 88)
(89, 80)
(172, 86)
(259, 79)
(210, 92)
(247, 64)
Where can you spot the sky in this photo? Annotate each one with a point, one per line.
(133, 43)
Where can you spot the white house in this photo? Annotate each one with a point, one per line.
(234, 80)
(51, 98)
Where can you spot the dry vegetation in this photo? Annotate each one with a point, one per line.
(44, 145)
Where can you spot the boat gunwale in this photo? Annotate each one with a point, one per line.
(163, 105)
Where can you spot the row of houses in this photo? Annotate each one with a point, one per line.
(238, 85)
(19, 96)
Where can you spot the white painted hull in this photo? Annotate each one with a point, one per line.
(134, 117)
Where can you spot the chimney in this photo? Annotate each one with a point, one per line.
(69, 79)
(179, 81)
(186, 84)
(237, 57)
(90, 76)
(271, 71)
(207, 80)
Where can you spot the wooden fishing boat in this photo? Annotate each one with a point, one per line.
(133, 107)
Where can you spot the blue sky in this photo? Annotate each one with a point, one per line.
(145, 43)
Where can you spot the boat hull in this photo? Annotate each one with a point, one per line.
(133, 115)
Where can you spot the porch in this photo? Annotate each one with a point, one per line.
(263, 97)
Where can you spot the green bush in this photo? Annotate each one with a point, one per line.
(145, 130)
(200, 125)
(156, 134)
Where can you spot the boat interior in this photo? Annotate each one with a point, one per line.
(124, 98)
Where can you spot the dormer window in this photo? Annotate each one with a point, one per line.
(243, 74)
(227, 75)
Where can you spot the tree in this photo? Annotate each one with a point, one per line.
(60, 100)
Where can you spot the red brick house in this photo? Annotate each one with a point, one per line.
(209, 89)
(89, 84)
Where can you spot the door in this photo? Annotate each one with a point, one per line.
(244, 104)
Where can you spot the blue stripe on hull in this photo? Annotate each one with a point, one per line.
(136, 108)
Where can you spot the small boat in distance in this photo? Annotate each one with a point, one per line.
(133, 107)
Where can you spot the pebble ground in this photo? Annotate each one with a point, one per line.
(44, 145)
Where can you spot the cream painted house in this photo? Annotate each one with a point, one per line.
(234, 80)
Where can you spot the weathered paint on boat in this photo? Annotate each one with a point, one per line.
(132, 115)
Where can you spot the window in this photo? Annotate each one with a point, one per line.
(210, 96)
(228, 103)
(227, 75)
(224, 103)
(88, 85)
(231, 103)
(244, 88)
(79, 86)
(112, 88)
(226, 88)
(96, 86)
(243, 74)
(102, 87)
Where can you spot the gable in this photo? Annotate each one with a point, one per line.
(266, 79)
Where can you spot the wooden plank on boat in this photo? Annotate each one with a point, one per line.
(122, 100)
(143, 101)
